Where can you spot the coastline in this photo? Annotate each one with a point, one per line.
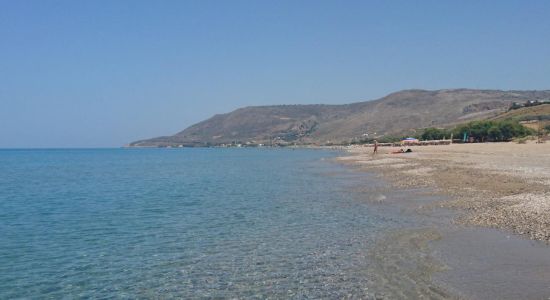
(500, 185)
(484, 236)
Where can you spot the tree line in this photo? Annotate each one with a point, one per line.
(480, 131)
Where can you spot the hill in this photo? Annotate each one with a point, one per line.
(534, 117)
(526, 113)
(398, 113)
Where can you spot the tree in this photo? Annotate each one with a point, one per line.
(434, 134)
(494, 133)
(515, 105)
(482, 131)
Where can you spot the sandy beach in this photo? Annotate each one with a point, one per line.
(490, 191)
(500, 185)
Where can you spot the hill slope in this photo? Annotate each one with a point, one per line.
(526, 113)
(397, 113)
(535, 117)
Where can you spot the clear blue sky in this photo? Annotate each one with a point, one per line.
(105, 73)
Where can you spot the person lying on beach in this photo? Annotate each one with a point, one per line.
(401, 151)
(398, 151)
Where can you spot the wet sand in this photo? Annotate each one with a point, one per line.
(493, 244)
(501, 185)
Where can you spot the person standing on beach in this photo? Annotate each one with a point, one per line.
(375, 147)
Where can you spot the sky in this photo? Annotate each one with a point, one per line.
(106, 73)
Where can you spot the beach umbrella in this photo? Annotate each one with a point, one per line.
(409, 140)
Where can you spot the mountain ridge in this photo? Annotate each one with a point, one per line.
(400, 112)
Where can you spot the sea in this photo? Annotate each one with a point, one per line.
(186, 223)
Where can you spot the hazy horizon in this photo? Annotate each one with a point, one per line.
(103, 74)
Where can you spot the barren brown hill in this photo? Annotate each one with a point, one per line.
(398, 113)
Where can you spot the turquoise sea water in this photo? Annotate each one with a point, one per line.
(185, 223)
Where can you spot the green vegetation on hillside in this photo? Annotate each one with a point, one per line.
(435, 134)
(495, 131)
(503, 127)
(481, 131)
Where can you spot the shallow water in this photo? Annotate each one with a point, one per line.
(240, 223)
(185, 223)
(483, 263)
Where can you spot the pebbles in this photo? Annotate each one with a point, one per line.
(499, 185)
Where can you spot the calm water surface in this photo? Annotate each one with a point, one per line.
(129, 223)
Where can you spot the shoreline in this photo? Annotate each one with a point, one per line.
(498, 185)
(486, 234)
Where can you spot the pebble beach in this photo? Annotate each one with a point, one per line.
(500, 185)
